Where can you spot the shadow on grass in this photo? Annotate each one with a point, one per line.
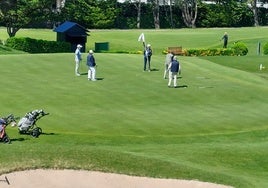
(177, 87)
(49, 134)
(182, 86)
(17, 139)
(154, 70)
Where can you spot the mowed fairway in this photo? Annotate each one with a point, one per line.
(213, 128)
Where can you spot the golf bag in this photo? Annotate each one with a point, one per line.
(4, 122)
(27, 124)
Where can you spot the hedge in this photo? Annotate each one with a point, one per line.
(37, 45)
(265, 49)
(238, 49)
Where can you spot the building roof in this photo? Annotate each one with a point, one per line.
(71, 28)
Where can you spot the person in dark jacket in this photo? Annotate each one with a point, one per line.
(225, 40)
(174, 69)
(91, 66)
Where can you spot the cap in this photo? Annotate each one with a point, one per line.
(148, 45)
(79, 46)
(90, 51)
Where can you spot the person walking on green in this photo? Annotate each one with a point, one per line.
(91, 66)
(168, 60)
(77, 59)
(174, 68)
(225, 40)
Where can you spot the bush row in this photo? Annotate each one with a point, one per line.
(42, 46)
(265, 49)
(238, 49)
(37, 45)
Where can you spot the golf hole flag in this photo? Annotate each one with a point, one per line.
(141, 37)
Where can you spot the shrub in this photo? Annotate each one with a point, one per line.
(210, 52)
(265, 49)
(37, 45)
(240, 49)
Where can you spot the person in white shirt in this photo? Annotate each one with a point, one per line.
(78, 58)
(168, 60)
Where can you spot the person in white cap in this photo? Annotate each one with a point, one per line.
(147, 56)
(91, 66)
(77, 58)
(174, 69)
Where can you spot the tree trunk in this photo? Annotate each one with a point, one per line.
(139, 15)
(12, 31)
(255, 12)
(171, 14)
(189, 12)
(156, 14)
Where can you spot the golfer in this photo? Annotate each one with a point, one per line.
(225, 40)
(91, 66)
(147, 56)
(174, 68)
(2, 128)
(77, 59)
(169, 58)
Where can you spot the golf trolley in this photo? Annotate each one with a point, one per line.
(4, 122)
(27, 124)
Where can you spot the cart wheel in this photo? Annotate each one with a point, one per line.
(22, 132)
(35, 133)
(39, 130)
(6, 140)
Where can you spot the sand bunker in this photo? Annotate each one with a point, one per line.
(90, 179)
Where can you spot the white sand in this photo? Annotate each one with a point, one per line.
(90, 179)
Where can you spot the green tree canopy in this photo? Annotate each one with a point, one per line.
(16, 14)
(99, 14)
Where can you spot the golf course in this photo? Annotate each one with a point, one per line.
(212, 128)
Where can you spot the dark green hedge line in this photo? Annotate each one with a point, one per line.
(265, 49)
(37, 45)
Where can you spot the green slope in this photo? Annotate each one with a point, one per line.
(213, 128)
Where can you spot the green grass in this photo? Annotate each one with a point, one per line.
(127, 40)
(213, 129)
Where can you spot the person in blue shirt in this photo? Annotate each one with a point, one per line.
(91, 66)
(174, 69)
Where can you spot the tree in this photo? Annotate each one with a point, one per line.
(17, 14)
(99, 14)
(138, 7)
(189, 11)
(155, 4)
(253, 5)
(171, 14)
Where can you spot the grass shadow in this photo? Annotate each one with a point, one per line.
(17, 139)
(154, 70)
